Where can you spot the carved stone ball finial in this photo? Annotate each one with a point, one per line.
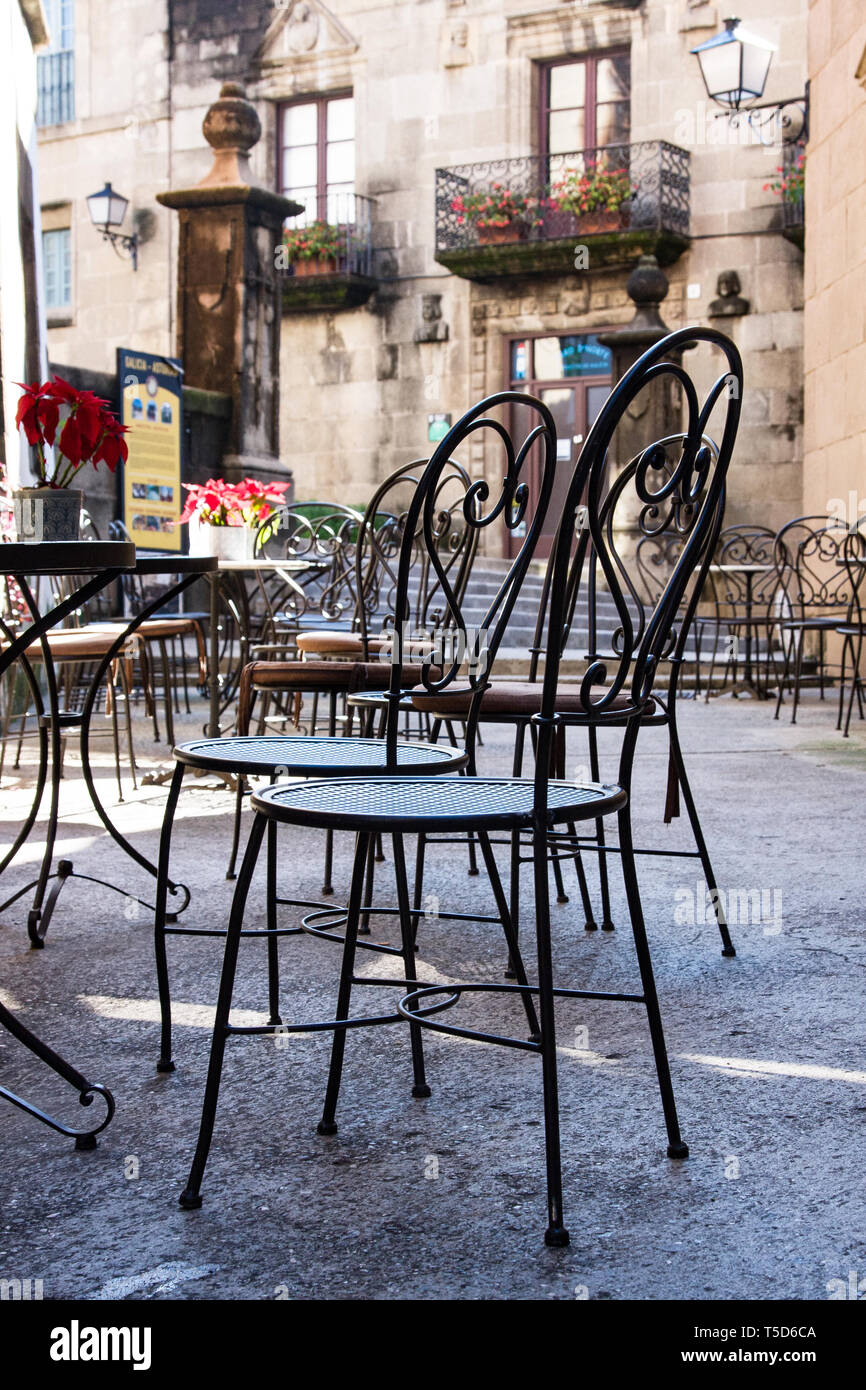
(647, 285)
(231, 127)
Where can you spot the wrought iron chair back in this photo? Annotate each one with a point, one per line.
(324, 534)
(441, 556)
(441, 549)
(676, 487)
(816, 567)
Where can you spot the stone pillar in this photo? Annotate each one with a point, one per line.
(228, 293)
(656, 411)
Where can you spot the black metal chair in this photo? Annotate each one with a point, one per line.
(743, 607)
(333, 754)
(820, 594)
(686, 493)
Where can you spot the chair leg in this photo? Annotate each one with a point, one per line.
(327, 884)
(556, 1233)
(167, 694)
(420, 1089)
(606, 922)
(676, 1147)
(700, 842)
(231, 871)
(165, 1063)
(190, 1198)
(328, 1124)
(418, 890)
(273, 939)
(515, 959)
(798, 668)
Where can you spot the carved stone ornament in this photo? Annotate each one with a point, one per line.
(231, 127)
(730, 303)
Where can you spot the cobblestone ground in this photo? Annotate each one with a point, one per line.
(445, 1197)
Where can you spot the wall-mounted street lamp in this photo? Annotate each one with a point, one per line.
(107, 210)
(734, 66)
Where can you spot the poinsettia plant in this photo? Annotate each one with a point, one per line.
(497, 206)
(318, 240)
(218, 503)
(79, 426)
(790, 182)
(591, 190)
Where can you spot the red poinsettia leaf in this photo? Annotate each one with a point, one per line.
(70, 441)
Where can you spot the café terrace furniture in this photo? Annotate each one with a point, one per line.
(94, 565)
(686, 492)
(332, 754)
(657, 553)
(821, 593)
(55, 720)
(337, 663)
(744, 595)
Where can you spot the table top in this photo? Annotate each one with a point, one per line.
(66, 557)
(293, 566)
(742, 569)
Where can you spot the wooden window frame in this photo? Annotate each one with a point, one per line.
(590, 61)
(320, 100)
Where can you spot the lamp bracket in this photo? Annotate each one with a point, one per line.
(124, 246)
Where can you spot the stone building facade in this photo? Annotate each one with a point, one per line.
(835, 267)
(418, 320)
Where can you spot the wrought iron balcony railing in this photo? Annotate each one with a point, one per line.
(344, 275)
(793, 208)
(55, 82)
(655, 215)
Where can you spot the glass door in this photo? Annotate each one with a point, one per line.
(571, 374)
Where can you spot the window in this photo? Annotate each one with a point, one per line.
(316, 153)
(585, 103)
(56, 67)
(57, 264)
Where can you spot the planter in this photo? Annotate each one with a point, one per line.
(223, 542)
(497, 236)
(47, 513)
(316, 265)
(592, 223)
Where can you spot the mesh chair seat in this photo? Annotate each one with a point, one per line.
(317, 756)
(411, 804)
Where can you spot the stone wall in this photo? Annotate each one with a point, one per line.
(835, 271)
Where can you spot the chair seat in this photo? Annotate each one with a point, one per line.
(349, 644)
(413, 804)
(157, 628)
(347, 676)
(813, 624)
(326, 756)
(72, 644)
(507, 700)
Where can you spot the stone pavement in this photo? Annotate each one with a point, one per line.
(444, 1198)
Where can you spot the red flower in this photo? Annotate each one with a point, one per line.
(112, 447)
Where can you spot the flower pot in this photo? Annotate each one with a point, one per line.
(496, 236)
(47, 513)
(601, 220)
(316, 265)
(223, 542)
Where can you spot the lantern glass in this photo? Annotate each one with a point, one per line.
(107, 208)
(734, 64)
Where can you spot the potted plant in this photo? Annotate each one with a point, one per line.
(789, 183)
(498, 214)
(66, 428)
(314, 250)
(598, 199)
(224, 517)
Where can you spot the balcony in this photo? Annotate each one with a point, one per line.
(342, 278)
(655, 219)
(55, 79)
